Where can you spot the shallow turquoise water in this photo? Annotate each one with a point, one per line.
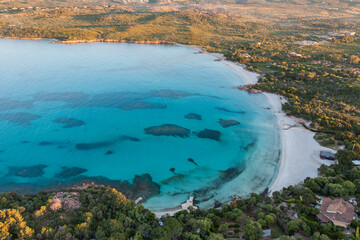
(102, 107)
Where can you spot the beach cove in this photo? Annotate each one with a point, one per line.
(201, 123)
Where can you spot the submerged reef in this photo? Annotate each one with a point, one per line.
(10, 104)
(94, 145)
(69, 122)
(21, 118)
(250, 145)
(46, 143)
(68, 172)
(103, 144)
(133, 139)
(227, 110)
(193, 116)
(167, 93)
(228, 123)
(204, 194)
(59, 144)
(71, 98)
(210, 134)
(122, 100)
(168, 130)
(29, 172)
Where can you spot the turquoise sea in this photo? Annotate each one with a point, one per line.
(154, 121)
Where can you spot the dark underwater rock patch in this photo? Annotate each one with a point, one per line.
(210, 134)
(8, 104)
(167, 93)
(192, 161)
(123, 100)
(67, 97)
(103, 144)
(250, 145)
(21, 118)
(68, 172)
(168, 130)
(193, 116)
(46, 143)
(228, 123)
(94, 145)
(29, 172)
(174, 179)
(129, 138)
(204, 194)
(59, 144)
(109, 152)
(69, 122)
(227, 110)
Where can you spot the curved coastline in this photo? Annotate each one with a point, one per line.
(289, 171)
(299, 156)
(299, 150)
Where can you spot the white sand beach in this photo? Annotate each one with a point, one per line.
(300, 151)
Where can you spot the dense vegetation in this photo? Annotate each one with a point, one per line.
(319, 78)
(104, 213)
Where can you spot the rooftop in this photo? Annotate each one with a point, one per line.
(337, 211)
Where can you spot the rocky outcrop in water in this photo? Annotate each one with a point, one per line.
(168, 130)
(210, 134)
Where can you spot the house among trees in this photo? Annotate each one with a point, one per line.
(327, 155)
(337, 211)
(356, 162)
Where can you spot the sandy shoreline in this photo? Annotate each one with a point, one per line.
(299, 150)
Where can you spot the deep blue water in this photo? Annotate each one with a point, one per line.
(108, 112)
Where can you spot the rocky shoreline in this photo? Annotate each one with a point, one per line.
(94, 41)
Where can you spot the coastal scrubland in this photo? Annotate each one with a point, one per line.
(306, 51)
